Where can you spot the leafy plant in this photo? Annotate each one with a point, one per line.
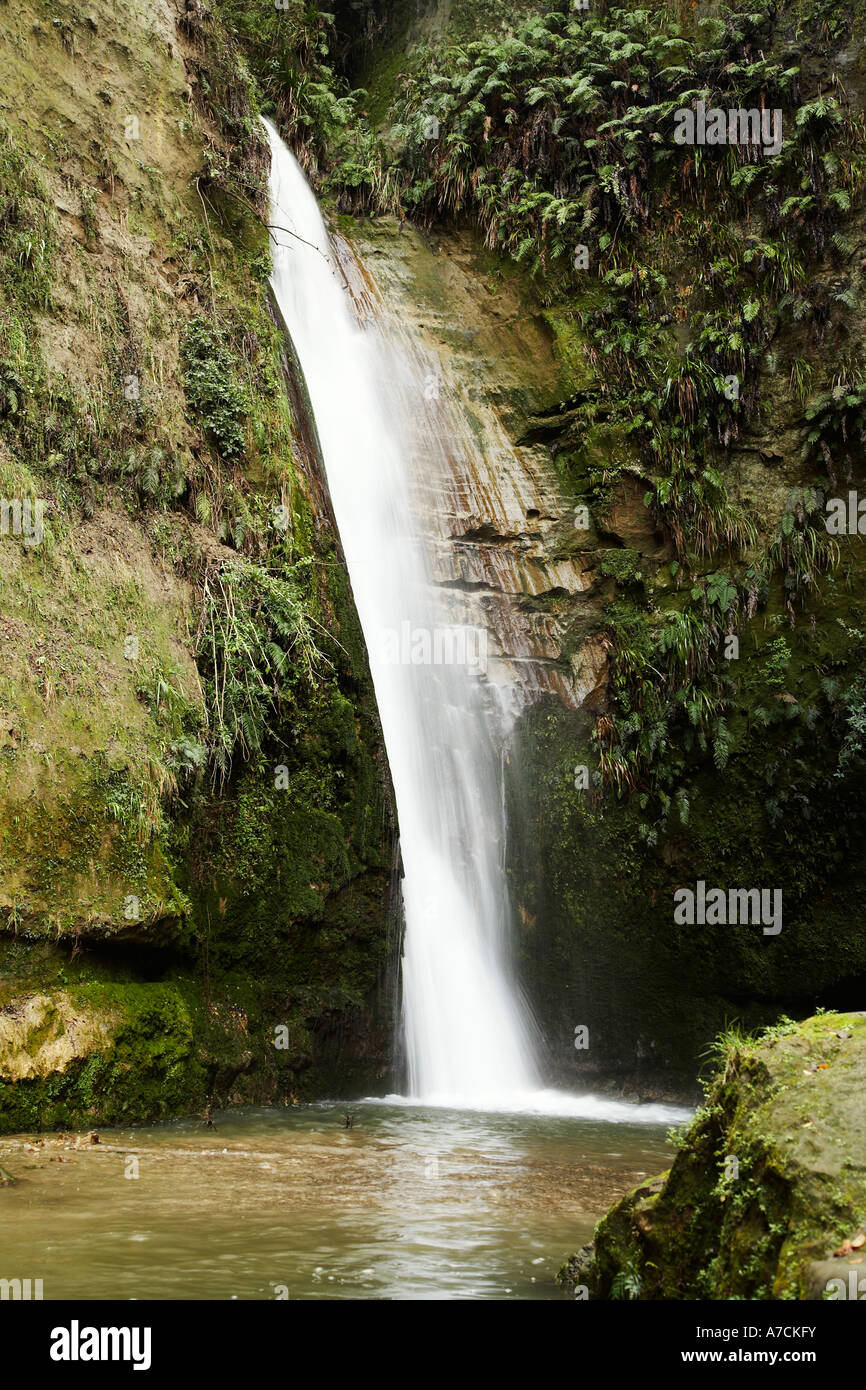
(256, 641)
(626, 1283)
(210, 380)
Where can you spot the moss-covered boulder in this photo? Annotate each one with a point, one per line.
(108, 1052)
(766, 1198)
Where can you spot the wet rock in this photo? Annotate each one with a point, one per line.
(766, 1196)
(506, 548)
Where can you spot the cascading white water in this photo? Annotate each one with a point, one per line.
(469, 1037)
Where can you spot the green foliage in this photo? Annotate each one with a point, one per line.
(214, 392)
(162, 690)
(853, 749)
(257, 640)
(136, 802)
(291, 49)
(670, 690)
(626, 1284)
(775, 658)
(721, 593)
(26, 245)
(836, 423)
(598, 93)
(802, 549)
(622, 565)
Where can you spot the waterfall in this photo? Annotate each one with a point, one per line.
(469, 1037)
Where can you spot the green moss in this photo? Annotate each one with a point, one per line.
(213, 389)
(150, 1068)
(767, 1182)
(115, 880)
(82, 856)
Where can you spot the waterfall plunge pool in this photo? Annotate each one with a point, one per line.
(412, 1201)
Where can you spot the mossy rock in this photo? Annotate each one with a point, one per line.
(766, 1198)
(104, 1052)
(143, 966)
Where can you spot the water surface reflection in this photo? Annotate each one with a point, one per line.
(410, 1202)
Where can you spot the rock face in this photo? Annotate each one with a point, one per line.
(766, 1198)
(505, 544)
(162, 924)
(593, 872)
(620, 791)
(44, 1034)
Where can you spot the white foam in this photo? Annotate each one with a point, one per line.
(551, 1102)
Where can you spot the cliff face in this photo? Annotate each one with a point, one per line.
(191, 858)
(196, 831)
(766, 1197)
(654, 753)
(498, 514)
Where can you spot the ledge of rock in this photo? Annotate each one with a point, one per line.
(766, 1198)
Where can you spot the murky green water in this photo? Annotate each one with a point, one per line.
(408, 1203)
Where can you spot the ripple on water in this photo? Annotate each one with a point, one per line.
(414, 1201)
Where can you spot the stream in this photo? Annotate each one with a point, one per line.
(410, 1202)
